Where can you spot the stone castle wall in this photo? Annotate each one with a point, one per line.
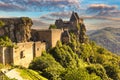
(22, 54)
(5, 55)
(56, 36)
(38, 48)
(49, 36)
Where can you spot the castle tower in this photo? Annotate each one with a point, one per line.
(74, 17)
(59, 23)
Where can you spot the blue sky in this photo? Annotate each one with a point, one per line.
(47, 11)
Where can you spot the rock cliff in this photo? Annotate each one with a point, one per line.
(17, 29)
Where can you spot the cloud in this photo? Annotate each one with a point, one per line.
(56, 15)
(11, 7)
(39, 5)
(38, 24)
(101, 9)
(114, 13)
(47, 18)
(61, 14)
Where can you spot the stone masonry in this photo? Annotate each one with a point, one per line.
(22, 54)
(30, 43)
(49, 36)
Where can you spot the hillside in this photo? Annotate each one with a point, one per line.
(18, 73)
(108, 38)
(76, 61)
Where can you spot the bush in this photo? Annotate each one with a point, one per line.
(112, 71)
(5, 41)
(52, 26)
(79, 74)
(48, 66)
(2, 23)
(101, 50)
(98, 70)
(65, 56)
(76, 74)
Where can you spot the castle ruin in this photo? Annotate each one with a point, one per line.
(76, 25)
(30, 42)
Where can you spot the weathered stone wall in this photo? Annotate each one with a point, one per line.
(56, 36)
(1, 55)
(38, 48)
(50, 36)
(17, 29)
(5, 55)
(23, 54)
(43, 36)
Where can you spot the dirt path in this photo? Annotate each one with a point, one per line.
(13, 74)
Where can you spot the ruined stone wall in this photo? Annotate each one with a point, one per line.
(56, 36)
(38, 48)
(43, 36)
(17, 29)
(5, 55)
(23, 54)
(49, 36)
(1, 55)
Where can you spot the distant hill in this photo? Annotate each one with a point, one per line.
(108, 38)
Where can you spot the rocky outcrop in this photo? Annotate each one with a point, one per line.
(65, 37)
(83, 38)
(17, 29)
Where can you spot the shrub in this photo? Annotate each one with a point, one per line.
(112, 71)
(48, 66)
(52, 26)
(98, 70)
(5, 41)
(101, 50)
(2, 23)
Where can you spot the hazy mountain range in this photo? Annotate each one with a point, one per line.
(108, 38)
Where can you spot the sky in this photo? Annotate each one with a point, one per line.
(97, 14)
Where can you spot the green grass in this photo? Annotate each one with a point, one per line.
(30, 74)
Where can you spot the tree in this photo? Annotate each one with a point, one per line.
(52, 26)
(2, 23)
(50, 68)
(112, 71)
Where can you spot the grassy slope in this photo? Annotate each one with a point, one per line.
(30, 74)
(24, 73)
